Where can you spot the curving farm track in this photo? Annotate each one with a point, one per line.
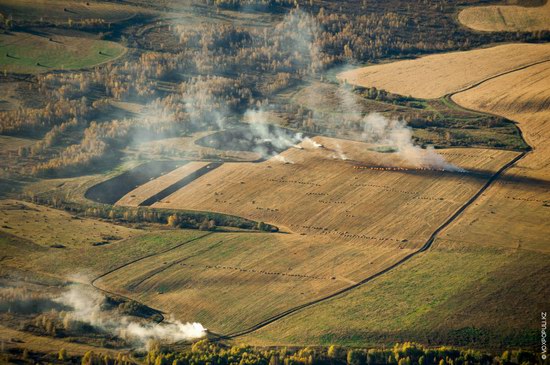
(428, 243)
(424, 248)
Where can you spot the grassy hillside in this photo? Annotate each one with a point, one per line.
(51, 227)
(61, 10)
(468, 296)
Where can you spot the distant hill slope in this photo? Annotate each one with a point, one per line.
(507, 18)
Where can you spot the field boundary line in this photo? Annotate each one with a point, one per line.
(159, 312)
(424, 248)
(477, 83)
(172, 264)
(426, 245)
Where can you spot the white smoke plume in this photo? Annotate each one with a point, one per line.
(86, 305)
(339, 153)
(282, 159)
(299, 32)
(394, 134)
(265, 134)
(308, 142)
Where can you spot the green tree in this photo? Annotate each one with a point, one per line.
(335, 352)
(355, 357)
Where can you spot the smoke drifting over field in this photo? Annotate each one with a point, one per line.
(269, 139)
(203, 100)
(393, 134)
(86, 303)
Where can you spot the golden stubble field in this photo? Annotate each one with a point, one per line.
(484, 270)
(517, 207)
(513, 212)
(437, 75)
(342, 221)
(316, 193)
(507, 18)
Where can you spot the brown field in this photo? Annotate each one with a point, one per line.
(186, 148)
(61, 10)
(46, 226)
(437, 75)
(326, 98)
(508, 18)
(517, 207)
(137, 196)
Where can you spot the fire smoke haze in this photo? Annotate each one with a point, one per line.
(392, 133)
(86, 307)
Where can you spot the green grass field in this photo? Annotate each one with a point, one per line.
(465, 295)
(29, 53)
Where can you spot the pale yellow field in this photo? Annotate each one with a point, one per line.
(347, 223)
(508, 18)
(347, 219)
(484, 270)
(138, 195)
(517, 208)
(47, 226)
(437, 75)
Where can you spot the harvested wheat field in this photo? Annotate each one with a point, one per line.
(140, 194)
(438, 75)
(473, 277)
(507, 18)
(350, 219)
(351, 200)
(52, 227)
(230, 281)
(518, 206)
